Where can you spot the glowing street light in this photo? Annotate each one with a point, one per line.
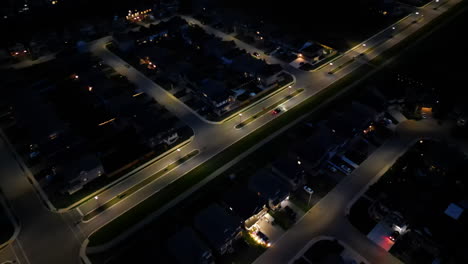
(96, 197)
(240, 118)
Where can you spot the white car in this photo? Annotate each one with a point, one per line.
(331, 168)
(348, 170)
(308, 189)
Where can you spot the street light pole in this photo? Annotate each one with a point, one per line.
(308, 202)
(240, 118)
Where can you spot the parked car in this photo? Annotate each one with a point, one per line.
(331, 168)
(264, 238)
(345, 168)
(308, 189)
(256, 55)
(394, 236)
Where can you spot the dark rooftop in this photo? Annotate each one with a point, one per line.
(243, 202)
(216, 225)
(187, 247)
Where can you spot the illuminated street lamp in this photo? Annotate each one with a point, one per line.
(96, 197)
(240, 118)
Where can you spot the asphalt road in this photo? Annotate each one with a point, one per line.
(48, 237)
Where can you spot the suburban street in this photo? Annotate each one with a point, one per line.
(62, 244)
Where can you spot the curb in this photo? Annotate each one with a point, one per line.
(126, 176)
(83, 257)
(37, 188)
(13, 219)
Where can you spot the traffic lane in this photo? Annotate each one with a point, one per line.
(136, 178)
(144, 193)
(33, 217)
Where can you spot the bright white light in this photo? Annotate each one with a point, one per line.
(95, 197)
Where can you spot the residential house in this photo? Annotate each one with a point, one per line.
(216, 94)
(218, 227)
(291, 170)
(247, 205)
(268, 186)
(188, 248)
(313, 51)
(266, 74)
(217, 48)
(124, 41)
(319, 147)
(81, 171)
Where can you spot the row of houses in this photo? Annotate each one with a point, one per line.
(70, 121)
(213, 70)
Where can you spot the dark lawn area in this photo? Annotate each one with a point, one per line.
(338, 24)
(359, 216)
(7, 227)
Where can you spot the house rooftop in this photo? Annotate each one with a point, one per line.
(188, 248)
(216, 225)
(247, 63)
(214, 90)
(288, 167)
(454, 211)
(243, 202)
(268, 186)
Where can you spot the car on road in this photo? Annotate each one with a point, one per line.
(276, 111)
(345, 168)
(330, 72)
(308, 189)
(256, 55)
